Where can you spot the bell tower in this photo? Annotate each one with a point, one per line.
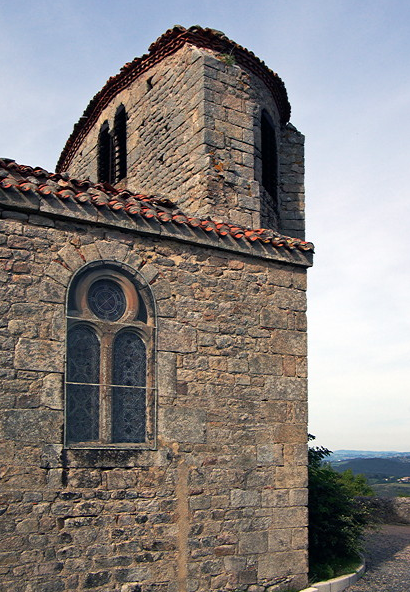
(202, 121)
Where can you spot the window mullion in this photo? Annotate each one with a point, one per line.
(105, 389)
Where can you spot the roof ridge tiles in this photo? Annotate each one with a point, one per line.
(167, 44)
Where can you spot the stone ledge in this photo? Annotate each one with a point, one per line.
(337, 584)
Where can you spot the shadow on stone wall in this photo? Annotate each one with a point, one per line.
(394, 510)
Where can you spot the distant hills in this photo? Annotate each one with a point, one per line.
(349, 454)
(376, 468)
(383, 469)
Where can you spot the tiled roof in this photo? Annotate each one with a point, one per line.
(164, 46)
(45, 185)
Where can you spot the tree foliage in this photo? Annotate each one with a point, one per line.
(336, 518)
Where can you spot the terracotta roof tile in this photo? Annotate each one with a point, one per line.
(101, 195)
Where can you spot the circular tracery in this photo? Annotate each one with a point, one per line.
(106, 300)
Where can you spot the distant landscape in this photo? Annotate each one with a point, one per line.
(388, 472)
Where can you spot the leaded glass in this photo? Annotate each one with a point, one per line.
(129, 360)
(82, 412)
(128, 397)
(83, 355)
(106, 300)
(83, 366)
(128, 414)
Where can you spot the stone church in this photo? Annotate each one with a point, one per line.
(153, 336)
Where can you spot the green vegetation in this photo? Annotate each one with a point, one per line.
(228, 58)
(384, 474)
(336, 519)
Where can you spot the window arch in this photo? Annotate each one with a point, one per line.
(110, 365)
(112, 149)
(269, 157)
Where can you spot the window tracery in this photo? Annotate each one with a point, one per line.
(110, 367)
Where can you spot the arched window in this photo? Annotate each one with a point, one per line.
(112, 149)
(269, 157)
(110, 390)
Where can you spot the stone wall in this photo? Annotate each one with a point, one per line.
(221, 503)
(194, 135)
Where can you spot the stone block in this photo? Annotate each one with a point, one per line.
(71, 257)
(286, 388)
(32, 425)
(167, 374)
(289, 342)
(52, 291)
(299, 538)
(59, 273)
(281, 540)
(265, 364)
(40, 355)
(269, 454)
(51, 456)
(90, 252)
(288, 477)
(277, 564)
(298, 497)
(241, 498)
(176, 337)
(182, 424)
(275, 498)
(253, 542)
(94, 580)
(274, 318)
(51, 392)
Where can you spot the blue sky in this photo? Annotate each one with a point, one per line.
(345, 64)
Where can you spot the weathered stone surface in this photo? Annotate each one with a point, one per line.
(31, 425)
(274, 318)
(167, 374)
(286, 388)
(39, 354)
(274, 565)
(51, 393)
(289, 342)
(265, 364)
(183, 424)
(176, 337)
(253, 542)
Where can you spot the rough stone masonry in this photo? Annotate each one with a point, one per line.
(214, 496)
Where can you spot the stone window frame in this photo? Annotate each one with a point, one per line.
(138, 296)
(112, 148)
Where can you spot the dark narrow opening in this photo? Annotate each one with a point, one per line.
(149, 84)
(120, 141)
(269, 157)
(105, 155)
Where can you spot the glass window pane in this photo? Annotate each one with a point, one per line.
(128, 404)
(83, 409)
(128, 414)
(83, 355)
(129, 360)
(82, 400)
